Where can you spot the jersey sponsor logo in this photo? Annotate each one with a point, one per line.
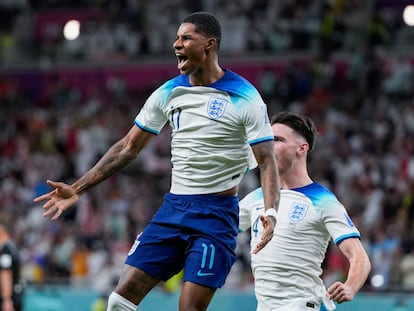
(200, 273)
(298, 212)
(216, 107)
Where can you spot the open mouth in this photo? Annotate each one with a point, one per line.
(182, 59)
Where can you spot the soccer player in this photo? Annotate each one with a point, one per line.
(287, 271)
(11, 287)
(217, 119)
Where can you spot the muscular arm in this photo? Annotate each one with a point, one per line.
(359, 268)
(269, 176)
(117, 157)
(270, 183)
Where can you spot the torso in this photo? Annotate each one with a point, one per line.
(290, 265)
(212, 127)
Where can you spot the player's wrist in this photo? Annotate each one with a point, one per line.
(271, 212)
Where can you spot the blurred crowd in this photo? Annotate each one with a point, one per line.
(128, 29)
(364, 113)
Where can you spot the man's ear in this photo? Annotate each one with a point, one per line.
(210, 44)
(303, 148)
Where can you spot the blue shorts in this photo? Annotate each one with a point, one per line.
(194, 232)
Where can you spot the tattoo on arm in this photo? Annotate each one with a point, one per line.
(269, 175)
(116, 158)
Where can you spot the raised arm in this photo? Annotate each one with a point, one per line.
(270, 183)
(117, 157)
(359, 268)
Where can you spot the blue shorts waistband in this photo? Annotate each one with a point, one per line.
(206, 198)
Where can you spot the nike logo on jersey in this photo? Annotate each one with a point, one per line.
(199, 273)
(259, 208)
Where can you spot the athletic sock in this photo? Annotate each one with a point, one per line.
(118, 303)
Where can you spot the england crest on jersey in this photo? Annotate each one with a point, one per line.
(216, 107)
(297, 212)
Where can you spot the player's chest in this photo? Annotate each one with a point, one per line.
(207, 105)
(298, 216)
(295, 216)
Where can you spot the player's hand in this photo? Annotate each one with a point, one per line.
(58, 200)
(340, 292)
(269, 223)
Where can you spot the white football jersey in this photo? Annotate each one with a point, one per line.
(213, 128)
(287, 270)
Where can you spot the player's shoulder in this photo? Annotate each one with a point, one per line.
(236, 85)
(161, 94)
(180, 80)
(231, 77)
(314, 188)
(317, 193)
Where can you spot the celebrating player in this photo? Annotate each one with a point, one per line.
(287, 271)
(217, 118)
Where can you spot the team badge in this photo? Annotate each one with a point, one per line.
(216, 107)
(297, 212)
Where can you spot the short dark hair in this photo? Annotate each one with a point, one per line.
(301, 124)
(205, 23)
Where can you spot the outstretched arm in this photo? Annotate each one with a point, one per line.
(269, 180)
(117, 157)
(359, 268)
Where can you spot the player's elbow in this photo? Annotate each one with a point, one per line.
(367, 264)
